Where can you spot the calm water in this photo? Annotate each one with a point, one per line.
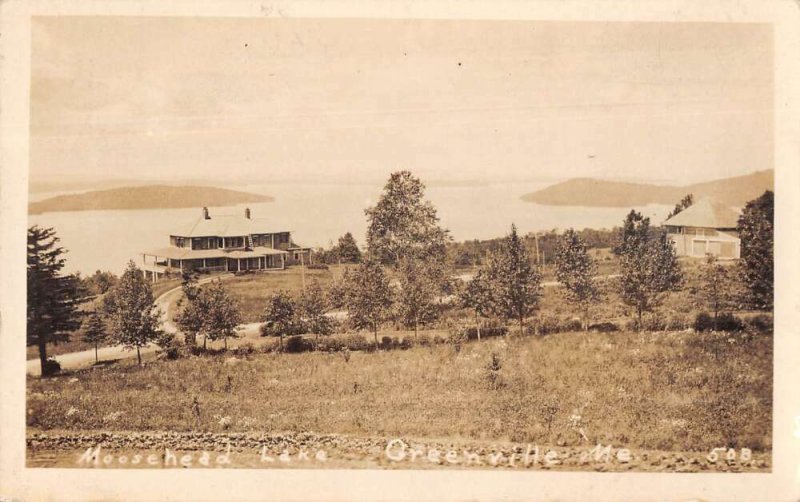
(317, 215)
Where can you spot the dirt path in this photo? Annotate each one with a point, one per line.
(77, 360)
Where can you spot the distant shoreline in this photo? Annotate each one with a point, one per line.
(146, 197)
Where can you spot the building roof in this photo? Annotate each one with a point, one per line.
(176, 253)
(706, 213)
(225, 225)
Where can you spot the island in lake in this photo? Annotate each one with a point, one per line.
(733, 191)
(146, 197)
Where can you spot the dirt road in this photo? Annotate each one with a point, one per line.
(77, 360)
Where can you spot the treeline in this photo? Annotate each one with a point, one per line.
(406, 276)
(542, 246)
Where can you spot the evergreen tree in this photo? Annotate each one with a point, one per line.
(53, 299)
(281, 316)
(346, 250)
(313, 305)
(368, 296)
(576, 270)
(94, 332)
(755, 229)
(516, 283)
(648, 264)
(685, 203)
(191, 318)
(131, 311)
(477, 295)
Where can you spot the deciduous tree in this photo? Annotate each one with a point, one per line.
(346, 250)
(368, 296)
(131, 311)
(281, 317)
(756, 232)
(313, 306)
(94, 332)
(403, 223)
(420, 286)
(53, 298)
(477, 295)
(222, 314)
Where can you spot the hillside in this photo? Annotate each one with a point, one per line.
(146, 197)
(600, 193)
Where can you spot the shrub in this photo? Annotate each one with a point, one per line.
(387, 343)
(297, 344)
(438, 340)
(244, 349)
(354, 341)
(604, 327)
(51, 367)
(571, 325)
(405, 344)
(548, 324)
(424, 340)
(729, 322)
(761, 323)
(486, 332)
(317, 266)
(703, 322)
(330, 344)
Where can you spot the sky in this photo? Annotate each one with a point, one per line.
(337, 100)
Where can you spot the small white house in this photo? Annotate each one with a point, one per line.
(705, 227)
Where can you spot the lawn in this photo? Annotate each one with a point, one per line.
(662, 390)
(252, 290)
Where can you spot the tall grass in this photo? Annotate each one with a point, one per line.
(666, 390)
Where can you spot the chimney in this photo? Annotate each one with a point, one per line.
(205, 214)
(247, 213)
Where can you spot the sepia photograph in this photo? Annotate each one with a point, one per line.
(400, 244)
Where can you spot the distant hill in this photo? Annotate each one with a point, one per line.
(599, 193)
(146, 197)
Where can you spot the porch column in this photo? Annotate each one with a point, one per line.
(204, 263)
(238, 264)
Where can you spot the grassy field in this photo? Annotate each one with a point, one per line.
(666, 390)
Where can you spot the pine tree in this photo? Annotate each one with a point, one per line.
(94, 332)
(281, 316)
(131, 311)
(756, 232)
(477, 295)
(576, 271)
(53, 299)
(648, 264)
(368, 296)
(313, 305)
(516, 283)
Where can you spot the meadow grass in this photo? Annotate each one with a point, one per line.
(663, 390)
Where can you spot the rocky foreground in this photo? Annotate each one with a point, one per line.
(308, 450)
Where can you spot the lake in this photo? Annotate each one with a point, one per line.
(317, 214)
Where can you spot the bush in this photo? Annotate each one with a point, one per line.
(725, 322)
(317, 266)
(51, 367)
(330, 344)
(438, 340)
(703, 322)
(297, 344)
(761, 322)
(424, 340)
(244, 349)
(387, 343)
(729, 322)
(604, 327)
(571, 325)
(405, 344)
(487, 331)
(354, 341)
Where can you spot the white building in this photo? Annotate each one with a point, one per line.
(705, 227)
